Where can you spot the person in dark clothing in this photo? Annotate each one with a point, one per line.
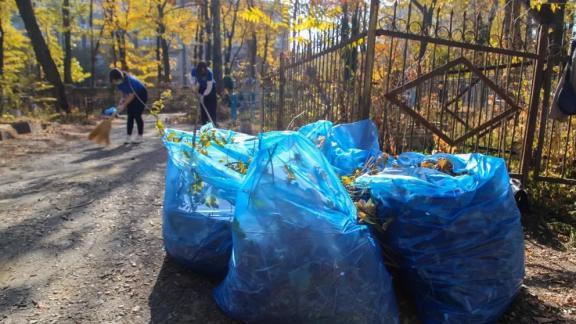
(203, 81)
(134, 98)
(228, 80)
(230, 95)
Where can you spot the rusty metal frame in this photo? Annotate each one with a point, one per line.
(422, 38)
(438, 71)
(527, 151)
(392, 96)
(366, 92)
(455, 116)
(462, 93)
(452, 43)
(456, 98)
(564, 181)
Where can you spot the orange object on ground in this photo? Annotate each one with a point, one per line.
(101, 134)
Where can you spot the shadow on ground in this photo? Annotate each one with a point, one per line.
(182, 296)
(28, 235)
(528, 308)
(536, 227)
(103, 153)
(552, 278)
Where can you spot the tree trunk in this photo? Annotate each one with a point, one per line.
(265, 56)
(217, 44)
(230, 35)
(195, 46)
(512, 32)
(264, 67)
(67, 43)
(92, 51)
(1, 52)
(121, 40)
(354, 31)
(163, 44)
(201, 38)
(184, 64)
(235, 56)
(1, 66)
(252, 47)
(253, 54)
(43, 53)
(136, 40)
(114, 56)
(208, 28)
(294, 16)
(165, 58)
(83, 40)
(158, 57)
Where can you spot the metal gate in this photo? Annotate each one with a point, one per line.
(439, 80)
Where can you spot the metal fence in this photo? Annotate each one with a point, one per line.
(90, 100)
(93, 100)
(555, 154)
(320, 78)
(443, 80)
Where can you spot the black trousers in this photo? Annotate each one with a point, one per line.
(211, 103)
(135, 109)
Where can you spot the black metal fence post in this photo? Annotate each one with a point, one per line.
(281, 88)
(369, 66)
(527, 151)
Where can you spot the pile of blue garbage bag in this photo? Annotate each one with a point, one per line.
(200, 196)
(456, 238)
(271, 216)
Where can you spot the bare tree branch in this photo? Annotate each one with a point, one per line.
(239, 47)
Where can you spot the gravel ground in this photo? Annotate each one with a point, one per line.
(80, 235)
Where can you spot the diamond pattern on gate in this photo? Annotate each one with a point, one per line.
(483, 126)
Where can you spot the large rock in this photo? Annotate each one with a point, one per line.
(26, 127)
(7, 132)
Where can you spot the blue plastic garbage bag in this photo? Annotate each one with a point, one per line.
(195, 233)
(347, 147)
(353, 145)
(317, 132)
(299, 256)
(200, 195)
(109, 112)
(457, 239)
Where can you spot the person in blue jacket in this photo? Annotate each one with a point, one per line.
(203, 82)
(134, 98)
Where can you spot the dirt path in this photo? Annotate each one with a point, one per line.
(81, 241)
(80, 237)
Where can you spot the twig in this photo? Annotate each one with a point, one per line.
(294, 119)
(81, 205)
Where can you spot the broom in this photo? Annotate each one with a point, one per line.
(101, 134)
